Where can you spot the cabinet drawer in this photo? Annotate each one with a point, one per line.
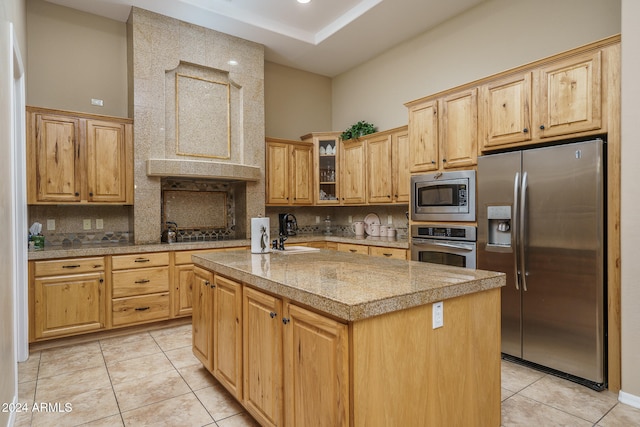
(68, 266)
(140, 309)
(396, 253)
(140, 281)
(356, 249)
(121, 262)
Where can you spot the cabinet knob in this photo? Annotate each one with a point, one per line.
(541, 127)
(525, 130)
(285, 320)
(77, 194)
(433, 162)
(206, 282)
(272, 314)
(91, 194)
(444, 160)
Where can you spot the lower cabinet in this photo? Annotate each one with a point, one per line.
(380, 251)
(201, 320)
(354, 249)
(69, 297)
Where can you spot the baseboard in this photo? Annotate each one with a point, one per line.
(629, 399)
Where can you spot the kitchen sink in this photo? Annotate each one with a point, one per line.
(296, 250)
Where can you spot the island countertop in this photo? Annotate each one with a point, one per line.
(349, 286)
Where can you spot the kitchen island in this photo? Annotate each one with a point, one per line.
(328, 338)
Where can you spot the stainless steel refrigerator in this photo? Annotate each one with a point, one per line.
(541, 220)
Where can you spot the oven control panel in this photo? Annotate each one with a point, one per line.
(449, 232)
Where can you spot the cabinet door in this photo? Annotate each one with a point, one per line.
(106, 162)
(202, 317)
(506, 111)
(388, 252)
(327, 168)
(184, 281)
(354, 249)
(57, 159)
(401, 170)
(67, 305)
(227, 334)
(423, 137)
(459, 136)
(353, 188)
(262, 356)
(277, 173)
(569, 98)
(316, 369)
(379, 169)
(301, 174)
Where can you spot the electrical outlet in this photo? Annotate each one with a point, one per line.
(389, 219)
(437, 311)
(350, 219)
(99, 224)
(51, 224)
(97, 102)
(86, 224)
(317, 219)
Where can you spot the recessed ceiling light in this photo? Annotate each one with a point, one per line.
(303, 1)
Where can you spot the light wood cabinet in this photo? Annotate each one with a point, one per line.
(262, 356)
(68, 297)
(401, 167)
(326, 166)
(395, 253)
(316, 369)
(423, 136)
(569, 96)
(289, 172)
(78, 158)
(459, 136)
(353, 172)
(380, 169)
(201, 321)
(505, 111)
(227, 334)
(354, 249)
(140, 290)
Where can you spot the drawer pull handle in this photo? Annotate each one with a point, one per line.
(142, 308)
(141, 260)
(71, 266)
(143, 281)
(387, 254)
(353, 250)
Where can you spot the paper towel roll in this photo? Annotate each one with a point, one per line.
(260, 235)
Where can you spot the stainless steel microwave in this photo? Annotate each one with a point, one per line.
(444, 196)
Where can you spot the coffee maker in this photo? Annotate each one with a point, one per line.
(288, 224)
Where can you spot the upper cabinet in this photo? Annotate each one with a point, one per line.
(289, 172)
(326, 166)
(459, 136)
(568, 96)
(353, 173)
(423, 136)
(388, 174)
(78, 158)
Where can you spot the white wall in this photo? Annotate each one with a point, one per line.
(492, 37)
(630, 221)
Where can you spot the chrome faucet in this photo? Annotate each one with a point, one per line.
(278, 244)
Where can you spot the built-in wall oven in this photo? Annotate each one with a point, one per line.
(447, 244)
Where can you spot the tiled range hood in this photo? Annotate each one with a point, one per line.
(197, 98)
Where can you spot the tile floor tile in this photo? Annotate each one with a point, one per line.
(181, 357)
(85, 407)
(68, 359)
(218, 402)
(129, 346)
(516, 377)
(621, 415)
(572, 398)
(185, 410)
(197, 377)
(141, 392)
(28, 370)
(172, 338)
(522, 411)
(240, 420)
(112, 421)
(60, 387)
(138, 368)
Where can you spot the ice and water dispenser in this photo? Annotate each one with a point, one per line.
(499, 236)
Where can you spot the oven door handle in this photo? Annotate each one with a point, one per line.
(444, 245)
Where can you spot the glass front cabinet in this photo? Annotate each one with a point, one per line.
(326, 166)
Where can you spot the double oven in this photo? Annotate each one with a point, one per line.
(442, 205)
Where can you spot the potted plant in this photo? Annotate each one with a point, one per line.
(357, 130)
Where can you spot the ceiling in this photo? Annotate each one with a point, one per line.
(327, 37)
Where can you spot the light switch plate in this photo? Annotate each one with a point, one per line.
(317, 219)
(99, 224)
(389, 219)
(51, 224)
(86, 224)
(438, 314)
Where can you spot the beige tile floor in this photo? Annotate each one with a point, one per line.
(153, 379)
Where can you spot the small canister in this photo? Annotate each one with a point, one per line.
(391, 232)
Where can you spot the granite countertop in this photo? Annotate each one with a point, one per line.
(53, 252)
(349, 286)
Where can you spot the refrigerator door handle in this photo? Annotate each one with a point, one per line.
(514, 229)
(523, 229)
